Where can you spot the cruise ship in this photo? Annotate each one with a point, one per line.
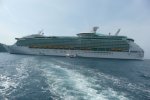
(89, 44)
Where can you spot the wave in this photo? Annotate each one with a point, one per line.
(70, 84)
(9, 81)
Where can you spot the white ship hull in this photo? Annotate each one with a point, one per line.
(74, 53)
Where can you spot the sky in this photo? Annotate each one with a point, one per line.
(19, 18)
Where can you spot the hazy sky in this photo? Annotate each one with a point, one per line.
(68, 17)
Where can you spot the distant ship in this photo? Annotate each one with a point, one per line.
(90, 44)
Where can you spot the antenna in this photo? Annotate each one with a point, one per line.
(95, 29)
(116, 34)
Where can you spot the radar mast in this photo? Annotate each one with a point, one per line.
(95, 28)
(41, 32)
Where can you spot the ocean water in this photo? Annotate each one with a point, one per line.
(26, 77)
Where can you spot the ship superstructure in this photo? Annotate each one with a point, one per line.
(89, 44)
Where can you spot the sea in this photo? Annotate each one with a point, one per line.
(28, 77)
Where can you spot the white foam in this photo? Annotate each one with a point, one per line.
(81, 87)
(8, 82)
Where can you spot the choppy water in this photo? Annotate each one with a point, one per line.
(24, 77)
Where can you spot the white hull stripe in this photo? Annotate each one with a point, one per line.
(73, 53)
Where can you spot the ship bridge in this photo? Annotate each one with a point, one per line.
(87, 35)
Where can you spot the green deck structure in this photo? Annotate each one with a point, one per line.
(83, 41)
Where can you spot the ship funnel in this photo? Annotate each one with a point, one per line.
(117, 32)
(95, 29)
